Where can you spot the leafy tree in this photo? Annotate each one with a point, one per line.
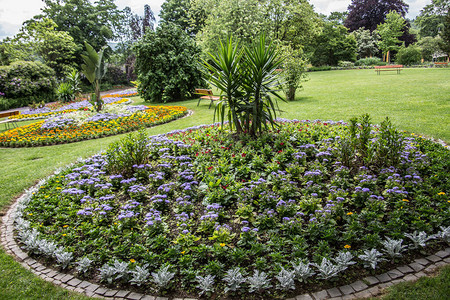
(189, 15)
(366, 42)
(429, 46)
(334, 44)
(166, 64)
(94, 68)
(338, 17)
(369, 13)
(389, 32)
(431, 19)
(42, 41)
(294, 70)
(410, 55)
(445, 44)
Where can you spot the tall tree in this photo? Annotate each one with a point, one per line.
(445, 43)
(389, 32)
(366, 42)
(189, 15)
(369, 13)
(431, 19)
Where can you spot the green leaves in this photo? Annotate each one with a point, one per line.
(94, 68)
(248, 78)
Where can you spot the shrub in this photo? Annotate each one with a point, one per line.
(115, 76)
(369, 61)
(322, 68)
(409, 56)
(65, 92)
(27, 79)
(346, 64)
(167, 65)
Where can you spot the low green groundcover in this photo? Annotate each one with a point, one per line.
(203, 211)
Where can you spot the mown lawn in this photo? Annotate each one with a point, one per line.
(417, 100)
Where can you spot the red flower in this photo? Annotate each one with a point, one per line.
(281, 144)
(243, 154)
(210, 168)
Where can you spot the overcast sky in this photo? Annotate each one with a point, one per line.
(14, 12)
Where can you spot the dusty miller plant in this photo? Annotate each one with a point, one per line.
(205, 283)
(302, 271)
(327, 269)
(371, 258)
(140, 275)
(63, 258)
(258, 281)
(344, 260)
(419, 239)
(234, 279)
(47, 247)
(286, 280)
(107, 273)
(83, 265)
(162, 277)
(444, 234)
(393, 248)
(121, 269)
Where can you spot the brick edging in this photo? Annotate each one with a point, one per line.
(367, 287)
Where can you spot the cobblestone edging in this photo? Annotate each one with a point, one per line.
(367, 287)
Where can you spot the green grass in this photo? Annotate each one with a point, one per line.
(417, 100)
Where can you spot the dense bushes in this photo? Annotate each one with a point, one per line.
(369, 61)
(409, 56)
(25, 82)
(167, 65)
(115, 76)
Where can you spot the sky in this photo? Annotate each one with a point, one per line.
(14, 12)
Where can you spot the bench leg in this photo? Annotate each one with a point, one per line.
(210, 104)
(199, 102)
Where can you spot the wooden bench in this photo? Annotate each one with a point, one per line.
(441, 63)
(397, 68)
(8, 121)
(207, 94)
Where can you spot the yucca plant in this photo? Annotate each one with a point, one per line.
(224, 72)
(261, 83)
(94, 68)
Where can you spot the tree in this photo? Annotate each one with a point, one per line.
(410, 55)
(389, 32)
(429, 46)
(366, 42)
(431, 19)
(167, 64)
(445, 44)
(369, 13)
(334, 44)
(94, 68)
(294, 70)
(189, 15)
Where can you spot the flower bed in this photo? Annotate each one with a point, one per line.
(47, 111)
(201, 212)
(76, 125)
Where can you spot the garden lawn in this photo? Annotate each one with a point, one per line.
(327, 95)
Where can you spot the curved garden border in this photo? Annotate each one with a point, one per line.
(367, 287)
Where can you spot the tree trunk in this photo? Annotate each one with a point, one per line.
(290, 95)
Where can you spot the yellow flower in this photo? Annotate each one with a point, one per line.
(58, 188)
(182, 252)
(65, 226)
(349, 213)
(222, 244)
(46, 196)
(64, 234)
(132, 261)
(405, 200)
(441, 193)
(347, 246)
(30, 214)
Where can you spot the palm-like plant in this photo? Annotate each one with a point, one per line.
(94, 68)
(224, 73)
(261, 82)
(249, 81)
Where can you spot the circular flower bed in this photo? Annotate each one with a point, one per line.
(77, 125)
(201, 211)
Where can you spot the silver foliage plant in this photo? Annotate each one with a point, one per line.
(371, 258)
(285, 280)
(258, 281)
(107, 273)
(234, 279)
(393, 248)
(205, 283)
(63, 258)
(302, 271)
(83, 265)
(327, 269)
(444, 234)
(121, 269)
(419, 239)
(162, 277)
(140, 275)
(344, 260)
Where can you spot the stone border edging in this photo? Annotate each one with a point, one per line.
(367, 287)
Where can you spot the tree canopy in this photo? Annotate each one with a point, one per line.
(431, 20)
(389, 32)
